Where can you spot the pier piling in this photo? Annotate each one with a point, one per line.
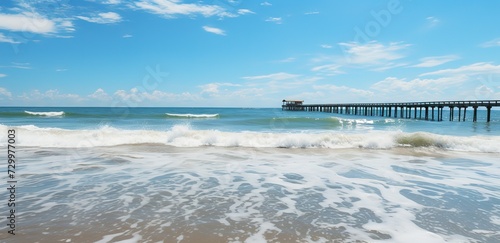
(406, 110)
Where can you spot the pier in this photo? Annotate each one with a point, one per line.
(432, 110)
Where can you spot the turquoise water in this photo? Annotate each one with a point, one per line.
(251, 175)
(237, 119)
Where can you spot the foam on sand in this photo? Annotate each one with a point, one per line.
(218, 194)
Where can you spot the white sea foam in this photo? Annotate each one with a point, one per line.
(264, 195)
(49, 113)
(188, 115)
(185, 136)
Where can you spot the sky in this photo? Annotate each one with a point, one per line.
(246, 53)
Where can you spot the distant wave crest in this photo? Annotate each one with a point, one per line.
(187, 115)
(49, 113)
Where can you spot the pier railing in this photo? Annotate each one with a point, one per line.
(406, 109)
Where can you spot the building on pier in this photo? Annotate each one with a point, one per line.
(293, 105)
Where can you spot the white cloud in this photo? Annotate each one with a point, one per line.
(213, 88)
(343, 89)
(2, 75)
(34, 17)
(112, 2)
(245, 11)
(214, 30)
(432, 21)
(289, 59)
(100, 95)
(171, 8)
(276, 20)
(372, 55)
(50, 95)
(141, 97)
(435, 61)
(311, 13)
(209, 88)
(5, 92)
(326, 46)
(127, 36)
(274, 76)
(491, 43)
(103, 18)
(18, 65)
(392, 84)
(7, 39)
(67, 25)
(473, 69)
(388, 66)
(328, 69)
(61, 70)
(425, 89)
(265, 4)
(27, 22)
(372, 52)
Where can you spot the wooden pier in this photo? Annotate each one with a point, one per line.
(407, 110)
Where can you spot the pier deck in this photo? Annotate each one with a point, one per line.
(401, 110)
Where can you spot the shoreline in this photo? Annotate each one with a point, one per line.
(150, 193)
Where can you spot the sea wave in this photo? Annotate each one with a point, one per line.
(48, 113)
(188, 115)
(185, 136)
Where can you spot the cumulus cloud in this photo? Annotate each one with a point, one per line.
(26, 17)
(5, 92)
(100, 95)
(27, 22)
(213, 88)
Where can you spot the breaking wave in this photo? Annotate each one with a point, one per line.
(192, 115)
(49, 113)
(185, 136)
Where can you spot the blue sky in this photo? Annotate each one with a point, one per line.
(243, 53)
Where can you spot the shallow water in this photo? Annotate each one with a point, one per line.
(249, 175)
(151, 193)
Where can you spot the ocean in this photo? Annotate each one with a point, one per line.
(246, 175)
